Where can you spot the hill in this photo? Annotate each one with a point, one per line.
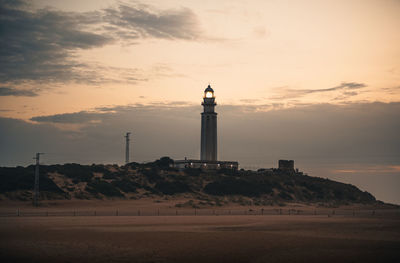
(135, 181)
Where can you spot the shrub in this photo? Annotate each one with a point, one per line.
(170, 188)
(164, 163)
(20, 178)
(152, 174)
(285, 196)
(102, 187)
(234, 186)
(227, 171)
(126, 185)
(193, 171)
(77, 172)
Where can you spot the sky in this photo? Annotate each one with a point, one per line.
(314, 81)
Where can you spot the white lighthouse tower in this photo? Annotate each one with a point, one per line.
(208, 127)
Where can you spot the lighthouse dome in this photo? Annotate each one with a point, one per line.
(209, 89)
(209, 92)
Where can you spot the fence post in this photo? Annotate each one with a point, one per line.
(138, 212)
(195, 211)
(18, 212)
(229, 211)
(74, 213)
(176, 212)
(95, 213)
(262, 211)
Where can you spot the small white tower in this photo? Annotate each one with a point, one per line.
(208, 127)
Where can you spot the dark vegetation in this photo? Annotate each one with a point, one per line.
(159, 178)
(21, 178)
(238, 186)
(170, 188)
(102, 187)
(78, 173)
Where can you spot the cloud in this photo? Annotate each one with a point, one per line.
(346, 95)
(132, 22)
(103, 114)
(38, 45)
(392, 90)
(370, 169)
(7, 91)
(296, 93)
(343, 85)
(41, 45)
(321, 131)
(249, 100)
(320, 138)
(12, 3)
(72, 118)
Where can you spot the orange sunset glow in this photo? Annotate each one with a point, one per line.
(317, 81)
(192, 131)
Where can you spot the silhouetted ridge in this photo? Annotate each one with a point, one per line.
(137, 180)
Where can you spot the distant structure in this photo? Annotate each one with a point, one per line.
(127, 147)
(208, 145)
(36, 182)
(286, 165)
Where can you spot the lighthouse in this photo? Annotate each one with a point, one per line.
(208, 127)
(208, 144)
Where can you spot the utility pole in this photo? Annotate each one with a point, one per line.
(36, 186)
(127, 147)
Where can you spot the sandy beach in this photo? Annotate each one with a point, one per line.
(207, 238)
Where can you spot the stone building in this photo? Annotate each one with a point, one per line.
(286, 165)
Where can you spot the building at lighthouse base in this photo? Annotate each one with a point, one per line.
(206, 165)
